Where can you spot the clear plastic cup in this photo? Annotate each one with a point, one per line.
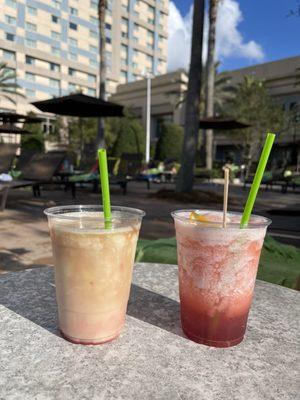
(93, 269)
(217, 272)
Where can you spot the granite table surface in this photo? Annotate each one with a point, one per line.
(151, 359)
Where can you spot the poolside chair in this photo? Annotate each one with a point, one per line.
(7, 155)
(92, 177)
(40, 170)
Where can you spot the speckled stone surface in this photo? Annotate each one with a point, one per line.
(151, 359)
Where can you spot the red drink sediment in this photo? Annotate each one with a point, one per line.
(217, 271)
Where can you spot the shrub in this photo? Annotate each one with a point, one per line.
(169, 143)
(130, 135)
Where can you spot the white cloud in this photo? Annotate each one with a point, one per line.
(229, 43)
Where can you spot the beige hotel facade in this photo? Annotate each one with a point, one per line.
(53, 45)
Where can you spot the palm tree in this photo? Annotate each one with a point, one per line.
(8, 86)
(210, 78)
(224, 92)
(191, 127)
(102, 72)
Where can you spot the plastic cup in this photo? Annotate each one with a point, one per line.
(217, 272)
(93, 269)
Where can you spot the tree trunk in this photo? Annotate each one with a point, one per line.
(210, 79)
(100, 141)
(191, 126)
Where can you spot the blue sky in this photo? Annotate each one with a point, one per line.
(266, 32)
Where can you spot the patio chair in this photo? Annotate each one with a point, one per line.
(7, 155)
(40, 170)
(92, 177)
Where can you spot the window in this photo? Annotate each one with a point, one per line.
(72, 72)
(73, 11)
(93, 34)
(55, 35)
(124, 49)
(91, 92)
(54, 83)
(55, 4)
(151, 9)
(94, 5)
(30, 60)
(30, 43)
(134, 65)
(150, 21)
(124, 75)
(124, 22)
(93, 20)
(136, 14)
(55, 51)
(72, 87)
(29, 76)
(9, 55)
(73, 26)
(91, 78)
(107, 40)
(54, 67)
(149, 59)
(124, 35)
(31, 10)
(73, 42)
(149, 46)
(73, 56)
(136, 28)
(54, 19)
(30, 27)
(93, 63)
(10, 20)
(93, 49)
(10, 37)
(125, 8)
(30, 93)
(11, 3)
(108, 26)
(150, 34)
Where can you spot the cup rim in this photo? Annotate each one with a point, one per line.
(264, 221)
(60, 211)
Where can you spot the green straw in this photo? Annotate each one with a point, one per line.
(257, 179)
(104, 187)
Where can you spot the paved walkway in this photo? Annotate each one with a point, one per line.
(25, 241)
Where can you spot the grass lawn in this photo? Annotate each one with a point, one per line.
(279, 263)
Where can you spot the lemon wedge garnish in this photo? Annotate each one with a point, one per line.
(198, 217)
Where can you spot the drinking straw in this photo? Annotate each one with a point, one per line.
(257, 179)
(104, 187)
(225, 196)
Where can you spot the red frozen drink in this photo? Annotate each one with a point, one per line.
(217, 271)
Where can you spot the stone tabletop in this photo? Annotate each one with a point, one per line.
(151, 359)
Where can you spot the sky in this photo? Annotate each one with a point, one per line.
(248, 32)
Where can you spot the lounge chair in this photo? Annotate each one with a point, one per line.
(121, 171)
(7, 155)
(40, 170)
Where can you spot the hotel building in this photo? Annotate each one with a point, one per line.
(54, 45)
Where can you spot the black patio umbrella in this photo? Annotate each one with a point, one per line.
(10, 128)
(221, 123)
(8, 117)
(80, 105)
